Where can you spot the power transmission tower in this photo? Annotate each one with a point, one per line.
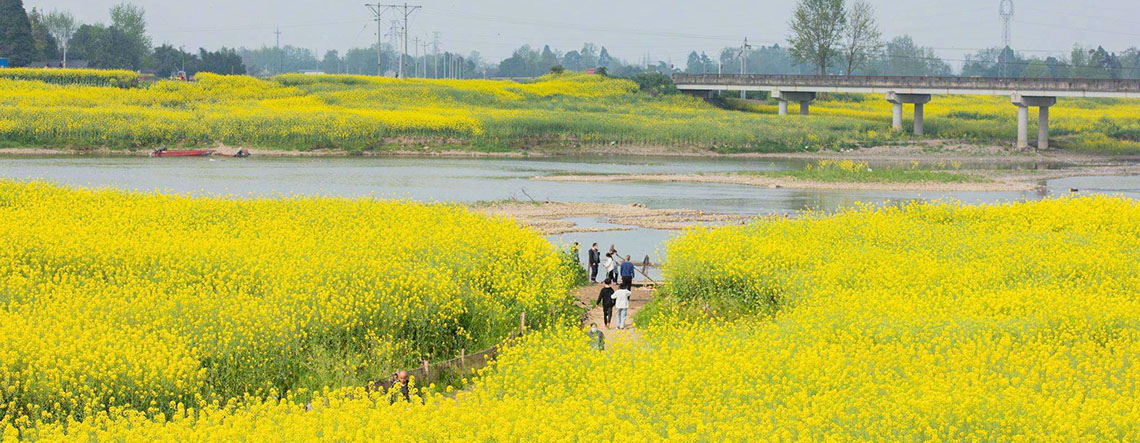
(394, 38)
(408, 10)
(378, 10)
(744, 62)
(279, 58)
(1006, 13)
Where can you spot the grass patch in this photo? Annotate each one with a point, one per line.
(847, 171)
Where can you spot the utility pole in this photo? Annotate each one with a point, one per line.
(425, 45)
(435, 55)
(408, 10)
(744, 62)
(279, 59)
(378, 10)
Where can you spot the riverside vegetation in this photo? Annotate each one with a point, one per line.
(111, 300)
(91, 109)
(936, 322)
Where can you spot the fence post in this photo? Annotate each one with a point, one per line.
(463, 361)
(522, 323)
(427, 373)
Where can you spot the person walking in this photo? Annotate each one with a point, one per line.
(606, 299)
(621, 303)
(627, 274)
(611, 267)
(594, 260)
(597, 338)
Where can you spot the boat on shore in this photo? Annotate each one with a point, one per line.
(163, 152)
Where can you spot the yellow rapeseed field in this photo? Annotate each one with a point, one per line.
(109, 109)
(114, 300)
(933, 322)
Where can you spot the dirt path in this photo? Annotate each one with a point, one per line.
(641, 296)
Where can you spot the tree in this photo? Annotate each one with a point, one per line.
(694, 65)
(904, 57)
(130, 21)
(16, 41)
(61, 25)
(817, 30)
(1037, 68)
(589, 54)
(331, 62)
(223, 61)
(45, 44)
(862, 39)
(168, 60)
(1130, 63)
(604, 59)
(572, 61)
(557, 70)
(104, 47)
(548, 59)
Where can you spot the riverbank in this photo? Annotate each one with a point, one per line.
(982, 180)
(930, 150)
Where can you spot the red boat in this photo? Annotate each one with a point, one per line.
(163, 152)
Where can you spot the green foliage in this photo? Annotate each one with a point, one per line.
(85, 77)
(655, 83)
(853, 172)
(16, 42)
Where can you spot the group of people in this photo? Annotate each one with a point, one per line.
(618, 271)
(614, 269)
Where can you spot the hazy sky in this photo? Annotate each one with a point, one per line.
(666, 29)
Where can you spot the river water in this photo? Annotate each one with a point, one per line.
(482, 179)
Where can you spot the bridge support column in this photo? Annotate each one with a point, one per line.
(1023, 102)
(896, 117)
(919, 100)
(804, 98)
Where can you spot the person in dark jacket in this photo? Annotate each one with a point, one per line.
(606, 299)
(402, 381)
(627, 274)
(594, 260)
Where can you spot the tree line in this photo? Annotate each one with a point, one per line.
(826, 37)
(56, 39)
(836, 37)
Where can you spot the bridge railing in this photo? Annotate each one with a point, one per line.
(979, 83)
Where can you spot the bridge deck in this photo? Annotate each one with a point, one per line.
(911, 85)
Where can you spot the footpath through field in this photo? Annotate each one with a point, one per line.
(641, 296)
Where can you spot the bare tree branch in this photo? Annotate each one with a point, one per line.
(817, 32)
(862, 39)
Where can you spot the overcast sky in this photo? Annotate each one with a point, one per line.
(665, 29)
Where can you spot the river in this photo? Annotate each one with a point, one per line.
(483, 179)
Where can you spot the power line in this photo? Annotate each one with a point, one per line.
(408, 10)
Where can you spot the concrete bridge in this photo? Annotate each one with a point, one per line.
(917, 91)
